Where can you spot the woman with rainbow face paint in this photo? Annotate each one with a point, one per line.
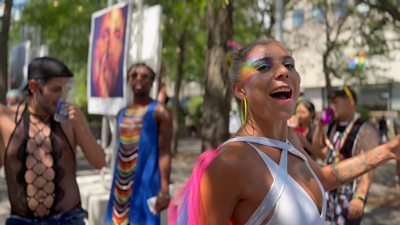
(263, 175)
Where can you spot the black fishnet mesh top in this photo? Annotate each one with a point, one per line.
(40, 167)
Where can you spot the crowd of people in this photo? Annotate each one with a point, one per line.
(39, 152)
(281, 158)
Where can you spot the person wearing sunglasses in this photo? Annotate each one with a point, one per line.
(140, 185)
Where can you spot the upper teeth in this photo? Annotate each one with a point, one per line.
(282, 89)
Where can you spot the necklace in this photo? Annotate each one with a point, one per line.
(340, 137)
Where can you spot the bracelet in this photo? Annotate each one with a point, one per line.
(359, 197)
(163, 196)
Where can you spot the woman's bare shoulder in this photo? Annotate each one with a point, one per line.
(239, 166)
(234, 159)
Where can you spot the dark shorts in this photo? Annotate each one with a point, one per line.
(73, 217)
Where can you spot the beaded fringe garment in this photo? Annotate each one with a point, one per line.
(130, 128)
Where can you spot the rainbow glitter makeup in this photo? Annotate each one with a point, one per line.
(253, 65)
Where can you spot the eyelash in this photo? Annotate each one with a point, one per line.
(290, 66)
(260, 66)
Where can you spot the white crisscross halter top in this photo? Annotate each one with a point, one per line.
(293, 206)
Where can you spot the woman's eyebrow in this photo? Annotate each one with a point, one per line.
(251, 60)
(288, 57)
(267, 58)
(263, 59)
(270, 58)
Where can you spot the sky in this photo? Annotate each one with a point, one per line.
(17, 2)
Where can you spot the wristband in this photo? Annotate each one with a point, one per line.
(163, 196)
(359, 197)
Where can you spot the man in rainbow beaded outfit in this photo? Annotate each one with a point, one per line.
(348, 135)
(143, 161)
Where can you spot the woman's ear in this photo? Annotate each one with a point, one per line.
(33, 85)
(238, 90)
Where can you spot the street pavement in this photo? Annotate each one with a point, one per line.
(383, 206)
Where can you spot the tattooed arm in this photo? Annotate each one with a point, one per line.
(333, 176)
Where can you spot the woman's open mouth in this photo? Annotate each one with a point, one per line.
(282, 93)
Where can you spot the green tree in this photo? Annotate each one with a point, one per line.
(217, 96)
(392, 7)
(183, 52)
(5, 28)
(346, 27)
(65, 28)
(184, 22)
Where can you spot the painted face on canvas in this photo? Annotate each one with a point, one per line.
(108, 51)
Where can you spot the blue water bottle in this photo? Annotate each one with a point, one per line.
(61, 114)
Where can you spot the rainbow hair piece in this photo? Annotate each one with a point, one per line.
(185, 207)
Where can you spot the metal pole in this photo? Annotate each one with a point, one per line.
(279, 20)
(390, 95)
(108, 132)
(140, 22)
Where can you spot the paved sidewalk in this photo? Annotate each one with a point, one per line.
(383, 206)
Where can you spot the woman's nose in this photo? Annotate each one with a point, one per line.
(281, 71)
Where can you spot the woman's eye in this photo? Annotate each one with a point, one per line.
(290, 66)
(262, 66)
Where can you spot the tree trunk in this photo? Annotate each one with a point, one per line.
(217, 97)
(5, 28)
(328, 84)
(179, 77)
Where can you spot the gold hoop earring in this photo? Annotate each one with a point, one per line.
(243, 110)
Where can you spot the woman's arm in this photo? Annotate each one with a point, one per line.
(220, 191)
(333, 176)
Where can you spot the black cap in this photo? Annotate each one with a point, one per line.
(344, 92)
(45, 68)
